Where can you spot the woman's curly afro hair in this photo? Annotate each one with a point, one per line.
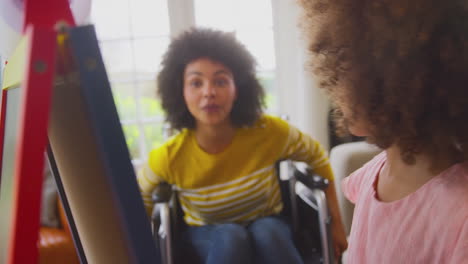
(402, 66)
(218, 46)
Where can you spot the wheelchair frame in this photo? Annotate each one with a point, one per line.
(302, 183)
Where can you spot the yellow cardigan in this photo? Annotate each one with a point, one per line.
(237, 185)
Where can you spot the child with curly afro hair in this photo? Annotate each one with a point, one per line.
(397, 71)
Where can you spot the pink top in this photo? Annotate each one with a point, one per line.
(427, 226)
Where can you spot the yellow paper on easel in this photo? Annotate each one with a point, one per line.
(15, 69)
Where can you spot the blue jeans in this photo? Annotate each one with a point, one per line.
(266, 240)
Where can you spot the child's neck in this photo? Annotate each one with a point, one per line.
(398, 179)
(214, 139)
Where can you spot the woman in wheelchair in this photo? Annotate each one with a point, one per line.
(222, 162)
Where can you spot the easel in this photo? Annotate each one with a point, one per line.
(40, 66)
(82, 127)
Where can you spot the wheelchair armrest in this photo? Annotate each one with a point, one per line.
(156, 218)
(315, 198)
(311, 180)
(161, 221)
(162, 193)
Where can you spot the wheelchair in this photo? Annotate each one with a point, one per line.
(304, 207)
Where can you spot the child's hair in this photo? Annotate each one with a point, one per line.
(218, 46)
(402, 66)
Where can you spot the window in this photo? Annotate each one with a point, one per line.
(133, 35)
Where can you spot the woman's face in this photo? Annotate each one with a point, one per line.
(209, 91)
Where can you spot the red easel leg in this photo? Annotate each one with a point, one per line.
(32, 139)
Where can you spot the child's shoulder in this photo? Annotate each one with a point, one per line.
(361, 179)
(450, 190)
(455, 180)
(373, 166)
(463, 168)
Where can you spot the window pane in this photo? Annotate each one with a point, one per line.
(148, 54)
(267, 80)
(118, 59)
(261, 44)
(149, 18)
(150, 107)
(154, 135)
(255, 14)
(132, 136)
(124, 100)
(111, 19)
(207, 14)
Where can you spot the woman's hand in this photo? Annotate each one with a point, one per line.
(340, 243)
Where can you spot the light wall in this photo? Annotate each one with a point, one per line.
(300, 99)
